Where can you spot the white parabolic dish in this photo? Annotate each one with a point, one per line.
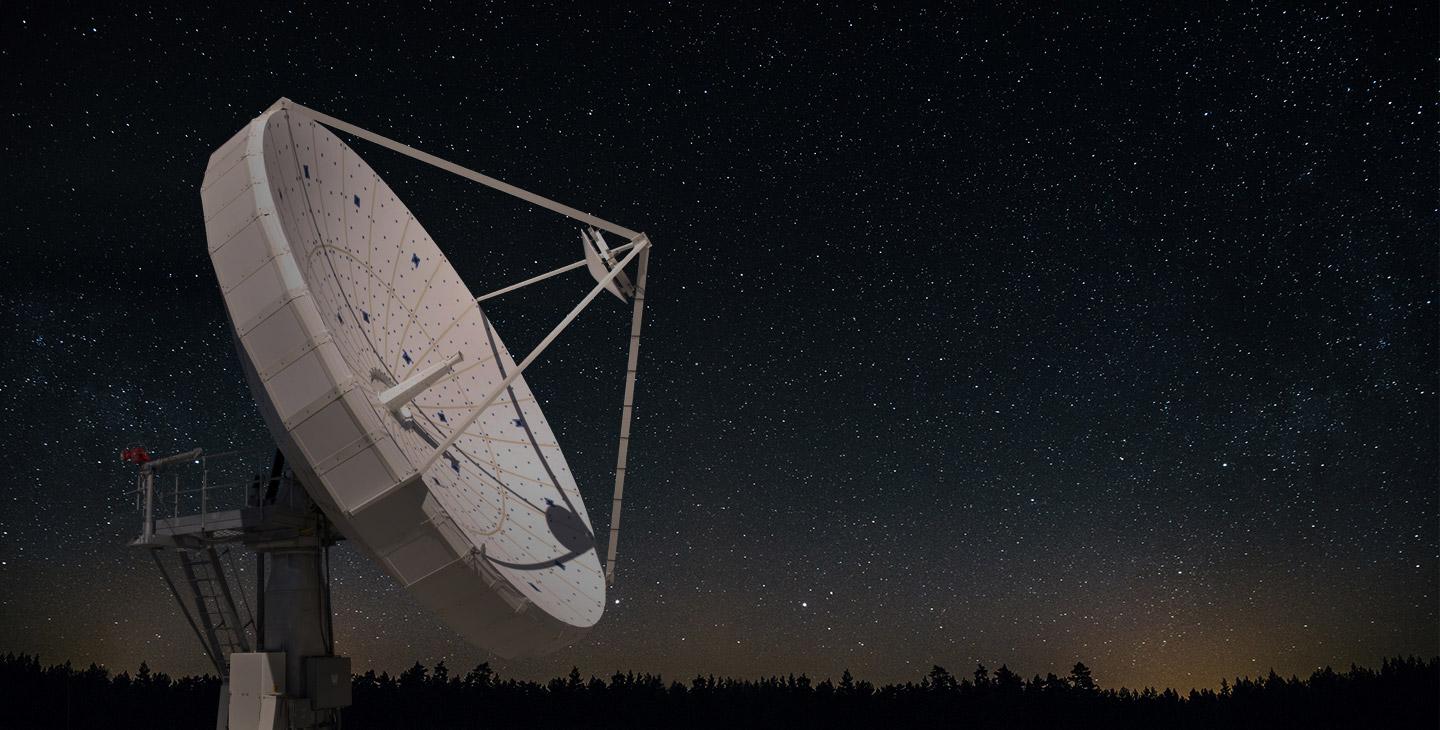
(337, 293)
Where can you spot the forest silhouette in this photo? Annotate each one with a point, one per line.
(1403, 693)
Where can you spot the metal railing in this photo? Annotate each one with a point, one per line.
(200, 483)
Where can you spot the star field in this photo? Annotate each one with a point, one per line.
(1023, 337)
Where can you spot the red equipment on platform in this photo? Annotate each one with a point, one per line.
(134, 455)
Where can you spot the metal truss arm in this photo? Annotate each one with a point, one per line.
(464, 172)
(459, 430)
(631, 364)
(547, 275)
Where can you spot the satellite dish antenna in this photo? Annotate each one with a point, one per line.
(398, 410)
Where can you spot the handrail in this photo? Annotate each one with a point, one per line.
(200, 483)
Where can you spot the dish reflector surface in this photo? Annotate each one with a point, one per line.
(337, 294)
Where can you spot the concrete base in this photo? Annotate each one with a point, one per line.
(257, 691)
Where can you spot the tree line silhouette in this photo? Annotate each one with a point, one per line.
(1404, 692)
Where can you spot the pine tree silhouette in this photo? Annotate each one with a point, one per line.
(1401, 694)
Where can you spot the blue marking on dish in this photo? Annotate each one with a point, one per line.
(415, 260)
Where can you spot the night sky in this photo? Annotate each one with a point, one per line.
(1016, 337)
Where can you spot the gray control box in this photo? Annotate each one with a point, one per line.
(327, 679)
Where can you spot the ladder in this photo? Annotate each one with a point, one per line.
(209, 604)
